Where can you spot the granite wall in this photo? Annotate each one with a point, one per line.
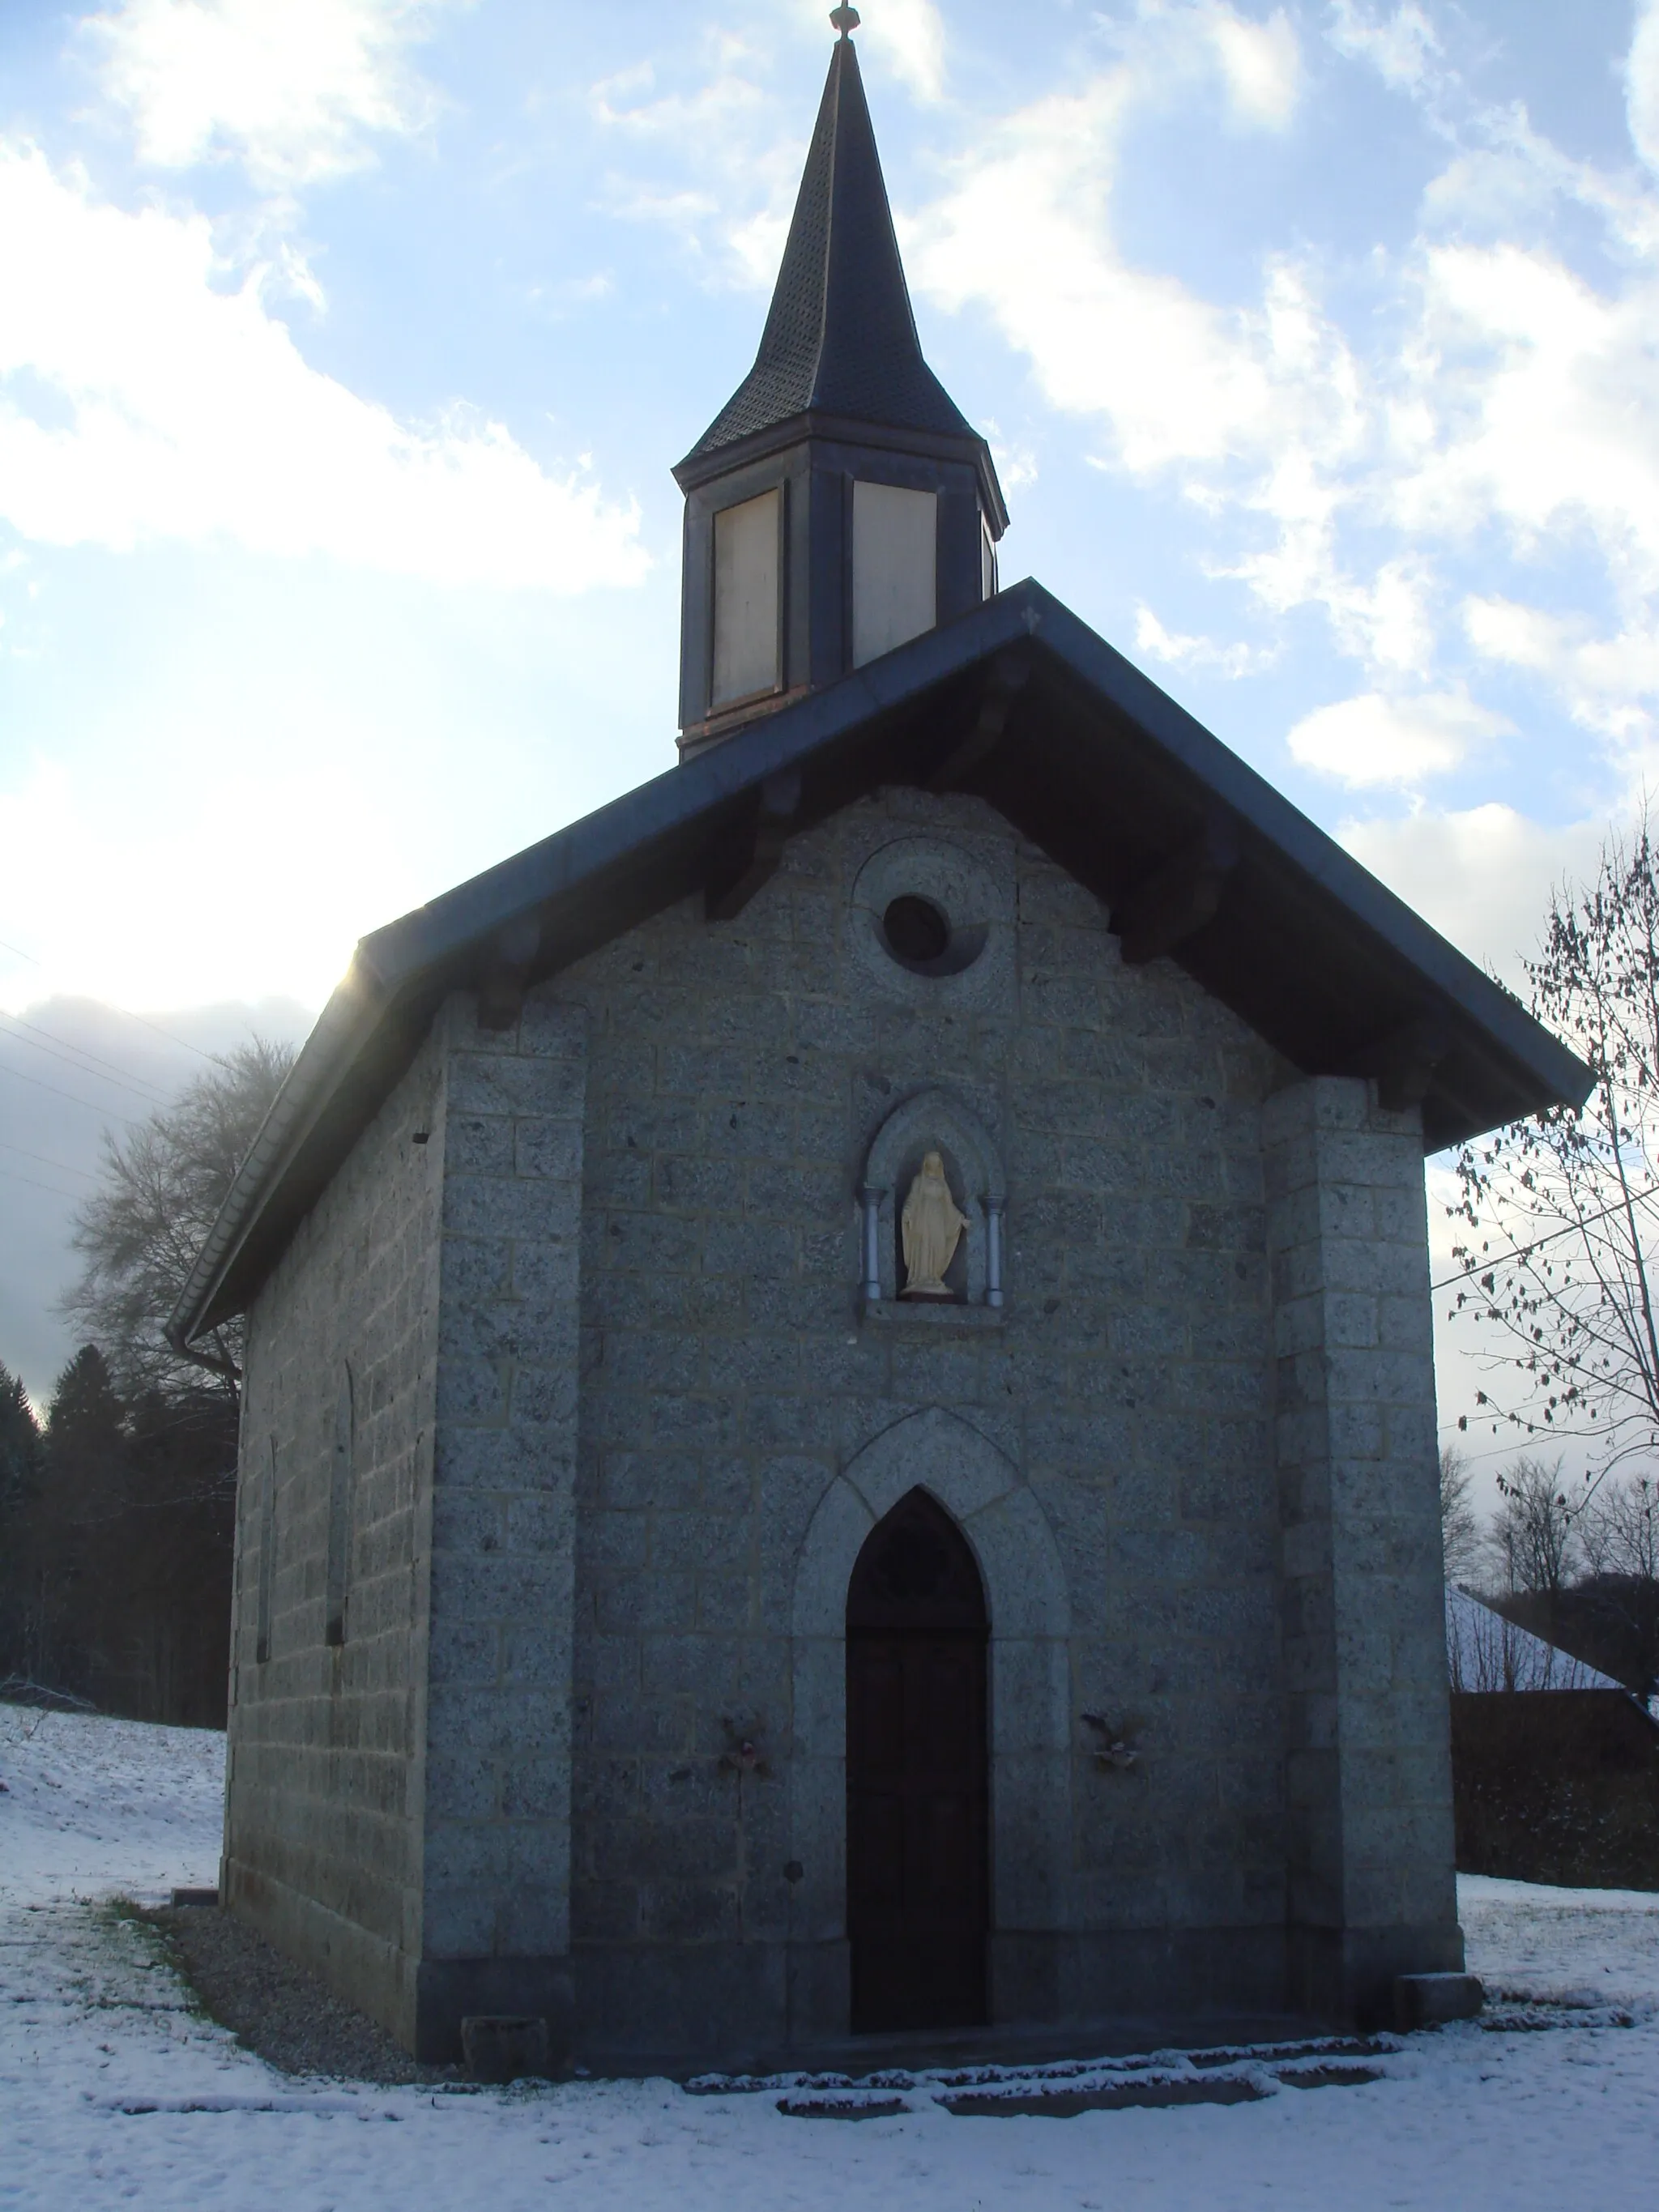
(324, 1779)
(739, 1073)
(1369, 1841)
(398, 1810)
(621, 1418)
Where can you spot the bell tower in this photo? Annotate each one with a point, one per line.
(839, 504)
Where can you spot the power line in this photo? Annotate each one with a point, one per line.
(214, 1059)
(1526, 1251)
(24, 1153)
(74, 1097)
(6, 945)
(95, 1061)
(150, 1098)
(11, 1176)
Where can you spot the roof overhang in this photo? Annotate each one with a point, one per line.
(700, 467)
(1087, 758)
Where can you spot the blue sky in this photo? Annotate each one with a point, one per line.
(345, 346)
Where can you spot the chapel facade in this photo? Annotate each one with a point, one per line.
(839, 1434)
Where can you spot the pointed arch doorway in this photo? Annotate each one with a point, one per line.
(918, 1873)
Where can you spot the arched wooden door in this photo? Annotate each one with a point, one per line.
(918, 1877)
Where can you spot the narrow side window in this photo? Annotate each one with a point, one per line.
(339, 1512)
(747, 574)
(895, 568)
(267, 1550)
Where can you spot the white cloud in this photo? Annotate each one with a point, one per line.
(1024, 231)
(732, 209)
(1374, 740)
(1399, 46)
(1642, 83)
(1510, 389)
(1525, 637)
(1260, 62)
(138, 400)
(1180, 651)
(1263, 410)
(1016, 464)
(909, 36)
(291, 88)
(1483, 876)
(1603, 679)
(1540, 405)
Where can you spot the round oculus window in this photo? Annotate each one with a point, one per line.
(917, 933)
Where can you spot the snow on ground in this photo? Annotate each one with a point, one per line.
(93, 1805)
(113, 2093)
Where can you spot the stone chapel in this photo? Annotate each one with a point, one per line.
(838, 1433)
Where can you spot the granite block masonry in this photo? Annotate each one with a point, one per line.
(399, 1810)
(620, 1419)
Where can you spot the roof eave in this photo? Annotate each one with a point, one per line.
(356, 1005)
(1469, 989)
(702, 466)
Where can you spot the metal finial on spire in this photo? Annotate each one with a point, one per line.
(844, 19)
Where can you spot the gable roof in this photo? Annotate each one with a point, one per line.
(839, 338)
(1083, 753)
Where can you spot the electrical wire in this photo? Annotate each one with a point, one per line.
(41, 1160)
(87, 1063)
(11, 1176)
(214, 1059)
(1526, 1251)
(74, 1097)
(126, 1012)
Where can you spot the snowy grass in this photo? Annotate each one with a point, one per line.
(94, 1805)
(113, 2092)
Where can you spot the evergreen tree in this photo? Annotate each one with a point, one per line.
(19, 1478)
(75, 1552)
(20, 1441)
(86, 1413)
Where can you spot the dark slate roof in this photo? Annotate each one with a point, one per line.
(1096, 764)
(839, 339)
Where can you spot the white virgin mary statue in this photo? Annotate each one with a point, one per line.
(932, 1229)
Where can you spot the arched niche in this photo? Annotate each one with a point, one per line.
(1025, 1596)
(934, 1121)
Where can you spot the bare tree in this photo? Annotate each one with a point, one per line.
(140, 1231)
(1619, 1596)
(1463, 1540)
(1559, 1211)
(1619, 1529)
(1533, 1536)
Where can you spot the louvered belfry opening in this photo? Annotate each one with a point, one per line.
(918, 1772)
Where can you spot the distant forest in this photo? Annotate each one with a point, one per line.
(116, 1523)
(118, 1511)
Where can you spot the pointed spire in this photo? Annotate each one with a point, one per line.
(839, 504)
(839, 339)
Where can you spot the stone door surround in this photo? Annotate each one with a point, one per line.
(1019, 1561)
